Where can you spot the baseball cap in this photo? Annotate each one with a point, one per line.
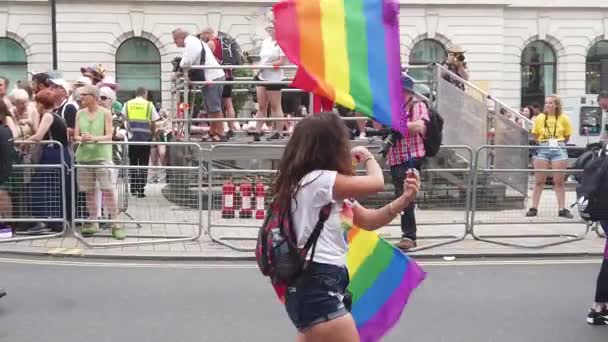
(82, 81)
(407, 83)
(107, 92)
(61, 83)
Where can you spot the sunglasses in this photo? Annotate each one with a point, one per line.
(104, 98)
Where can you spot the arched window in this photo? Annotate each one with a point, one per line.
(13, 61)
(138, 65)
(597, 68)
(538, 73)
(425, 52)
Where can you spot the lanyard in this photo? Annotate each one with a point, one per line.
(554, 136)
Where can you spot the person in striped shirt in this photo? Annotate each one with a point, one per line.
(406, 153)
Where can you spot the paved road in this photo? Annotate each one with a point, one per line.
(468, 302)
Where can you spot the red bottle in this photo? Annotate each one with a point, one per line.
(246, 191)
(260, 198)
(228, 192)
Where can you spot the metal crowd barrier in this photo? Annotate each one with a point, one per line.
(151, 219)
(239, 182)
(37, 192)
(507, 203)
(443, 202)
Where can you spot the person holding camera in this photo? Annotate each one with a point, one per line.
(407, 153)
(456, 64)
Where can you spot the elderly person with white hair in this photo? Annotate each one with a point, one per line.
(25, 113)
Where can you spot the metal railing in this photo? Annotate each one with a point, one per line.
(501, 204)
(152, 218)
(36, 191)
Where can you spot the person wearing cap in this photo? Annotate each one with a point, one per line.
(141, 116)
(602, 100)
(94, 124)
(456, 64)
(64, 108)
(407, 153)
(196, 52)
(109, 82)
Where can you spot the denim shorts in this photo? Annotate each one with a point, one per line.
(544, 152)
(317, 296)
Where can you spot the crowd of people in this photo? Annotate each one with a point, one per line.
(80, 116)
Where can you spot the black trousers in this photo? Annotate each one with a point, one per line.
(601, 291)
(408, 217)
(139, 155)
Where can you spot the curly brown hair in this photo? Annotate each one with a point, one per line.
(319, 142)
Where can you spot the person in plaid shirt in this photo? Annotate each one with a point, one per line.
(400, 160)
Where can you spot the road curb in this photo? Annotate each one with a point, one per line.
(216, 258)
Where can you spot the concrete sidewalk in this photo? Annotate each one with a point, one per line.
(434, 226)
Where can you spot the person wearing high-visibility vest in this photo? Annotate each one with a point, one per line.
(141, 115)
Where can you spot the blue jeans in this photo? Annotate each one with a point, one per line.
(317, 296)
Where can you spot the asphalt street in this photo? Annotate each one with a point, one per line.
(96, 301)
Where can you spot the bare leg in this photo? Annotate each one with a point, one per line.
(6, 205)
(109, 200)
(231, 114)
(263, 107)
(92, 203)
(341, 329)
(559, 180)
(539, 181)
(276, 110)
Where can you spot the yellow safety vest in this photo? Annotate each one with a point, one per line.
(139, 117)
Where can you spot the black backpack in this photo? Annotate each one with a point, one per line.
(434, 133)
(7, 153)
(585, 159)
(231, 53)
(592, 193)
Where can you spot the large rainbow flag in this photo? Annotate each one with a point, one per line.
(382, 280)
(347, 51)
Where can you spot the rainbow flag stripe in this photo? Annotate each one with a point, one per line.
(347, 51)
(382, 280)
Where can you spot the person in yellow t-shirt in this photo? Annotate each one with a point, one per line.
(552, 130)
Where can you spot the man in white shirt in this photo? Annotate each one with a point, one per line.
(602, 100)
(198, 53)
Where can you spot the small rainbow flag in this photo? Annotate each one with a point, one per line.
(382, 280)
(347, 51)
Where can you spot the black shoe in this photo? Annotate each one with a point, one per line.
(230, 134)
(2, 293)
(275, 136)
(256, 137)
(39, 228)
(532, 212)
(597, 318)
(565, 213)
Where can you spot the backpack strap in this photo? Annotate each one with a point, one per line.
(314, 236)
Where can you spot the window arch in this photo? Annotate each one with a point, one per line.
(138, 65)
(425, 52)
(597, 68)
(538, 73)
(13, 60)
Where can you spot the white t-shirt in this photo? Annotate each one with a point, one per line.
(192, 56)
(315, 192)
(270, 53)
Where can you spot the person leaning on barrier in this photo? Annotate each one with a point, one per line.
(552, 130)
(94, 125)
(7, 159)
(46, 190)
(25, 114)
(141, 116)
(196, 52)
(404, 155)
